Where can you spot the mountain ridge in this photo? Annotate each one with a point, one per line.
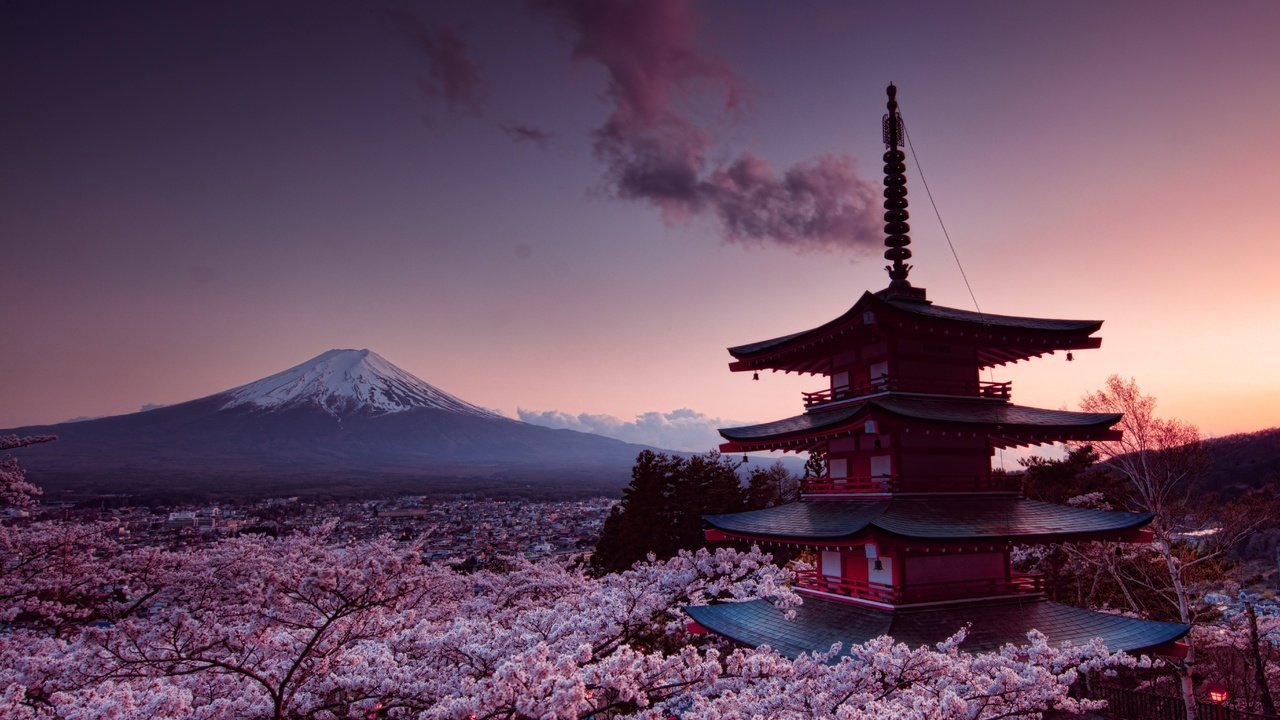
(346, 418)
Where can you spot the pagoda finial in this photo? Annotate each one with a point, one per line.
(895, 198)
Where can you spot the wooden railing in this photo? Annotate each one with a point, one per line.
(912, 483)
(968, 388)
(1019, 584)
(860, 485)
(1138, 705)
(815, 580)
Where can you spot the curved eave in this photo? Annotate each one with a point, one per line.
(820, 623)
(832, 521)
(1000, 338)
(1007, 425)
(928, 521)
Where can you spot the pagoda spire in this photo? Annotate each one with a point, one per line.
(895, 204)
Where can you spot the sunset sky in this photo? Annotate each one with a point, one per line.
(564, 207)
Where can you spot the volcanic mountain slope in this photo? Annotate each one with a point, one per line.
(346, 418)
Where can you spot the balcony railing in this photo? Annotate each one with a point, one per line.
(1018, 584)
(912, 484)
(967, 388)
(860, 589)
(828, 486)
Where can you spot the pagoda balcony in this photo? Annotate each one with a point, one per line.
(1019, 584)
(963, 388)
(819, 487)
(856, 589)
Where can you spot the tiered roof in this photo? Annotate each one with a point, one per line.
(820, 623)
(936, 518)
(1009, 425)
(1000, 338)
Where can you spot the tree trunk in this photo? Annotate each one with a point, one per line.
(1185, 681)
(1259, 669)
(1186, 684)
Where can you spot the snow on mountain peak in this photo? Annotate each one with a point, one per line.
(342, 381)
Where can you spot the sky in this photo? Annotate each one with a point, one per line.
(566, 210)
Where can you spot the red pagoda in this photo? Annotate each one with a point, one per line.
(910, 528)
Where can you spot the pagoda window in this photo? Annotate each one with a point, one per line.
(830, 564)
(881, 466)
(838, 469)
(880, 375)
(880, 570)
(839, 384)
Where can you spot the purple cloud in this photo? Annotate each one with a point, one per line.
(654, 153)
(451, 74)
(526, 133)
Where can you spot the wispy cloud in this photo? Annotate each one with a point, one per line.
(654, 152)
(450, 73)
(684, 429)
(526, 133)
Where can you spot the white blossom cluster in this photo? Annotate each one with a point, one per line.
(257, 627)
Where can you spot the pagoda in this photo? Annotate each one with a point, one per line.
(910, 529)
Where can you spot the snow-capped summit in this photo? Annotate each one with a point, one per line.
(346, 381)
(346, 422)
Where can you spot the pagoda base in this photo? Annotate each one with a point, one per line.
(820, 623)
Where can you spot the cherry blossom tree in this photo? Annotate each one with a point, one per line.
(1160, 458)
(14, 488)
(1241, 650)
(295, 627)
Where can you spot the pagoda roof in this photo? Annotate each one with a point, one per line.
(1002, 417)
(1049, 334)
(930, 519)
(820, 623)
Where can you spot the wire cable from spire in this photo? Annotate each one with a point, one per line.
(914, 158)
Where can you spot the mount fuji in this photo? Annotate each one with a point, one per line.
(347, 382)
(346, 422)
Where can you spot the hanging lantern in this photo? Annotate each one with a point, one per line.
(1217, 692)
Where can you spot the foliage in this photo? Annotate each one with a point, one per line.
(14, 488)
(1058, 480)
(258, 627)
(1154, 466)
(816, 465)
(1241, 651)
(771, 485)
(662, 508)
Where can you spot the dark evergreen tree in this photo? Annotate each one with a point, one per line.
(631, 530)
(771, 485)
(707, 485)
(662, 508)
(1059, 480)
